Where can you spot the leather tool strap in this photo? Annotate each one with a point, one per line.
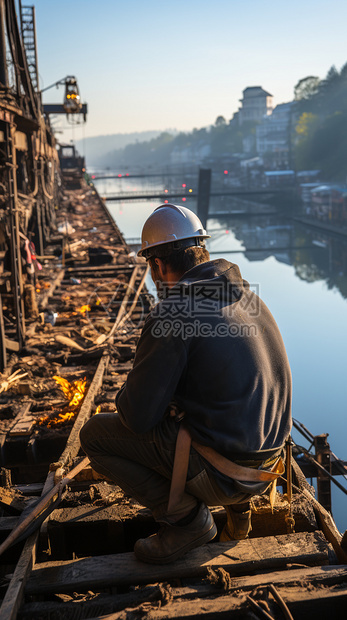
(230, 469)
(180, 467)
(239, 472)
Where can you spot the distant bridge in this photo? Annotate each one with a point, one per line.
(97, 177)
(143, 195)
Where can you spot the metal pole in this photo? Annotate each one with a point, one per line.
(3, 65)
(204, 194)
(289, 444)
(16, 265)
(322, 455)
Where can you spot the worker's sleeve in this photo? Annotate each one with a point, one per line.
(159, 363)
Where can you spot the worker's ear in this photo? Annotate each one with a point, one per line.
(162, 267)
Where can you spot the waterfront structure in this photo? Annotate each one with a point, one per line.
(255, 104)
(273, 136)
(329, 204)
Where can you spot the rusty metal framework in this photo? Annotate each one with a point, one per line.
(29, 175)
(28, 30)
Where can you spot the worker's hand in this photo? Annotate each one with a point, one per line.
(174, 412)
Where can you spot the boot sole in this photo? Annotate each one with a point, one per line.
(210, 535)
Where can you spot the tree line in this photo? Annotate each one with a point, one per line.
(320, 128)
(318, 134)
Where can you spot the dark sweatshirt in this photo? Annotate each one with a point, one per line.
(213, 347)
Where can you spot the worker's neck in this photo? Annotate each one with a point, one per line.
(172, 278)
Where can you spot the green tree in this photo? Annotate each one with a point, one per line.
(306, 88)
(220, 121)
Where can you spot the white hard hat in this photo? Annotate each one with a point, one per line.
(169, 223)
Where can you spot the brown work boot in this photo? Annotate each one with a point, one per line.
(173, 541)
(238, 524)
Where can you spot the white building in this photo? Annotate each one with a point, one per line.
(273, 135)
(256, 103)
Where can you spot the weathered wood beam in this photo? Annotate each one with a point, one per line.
(14, 593)
(320, 576)
(304, 602)
(11, 499)
(235, 557)
(23, 422)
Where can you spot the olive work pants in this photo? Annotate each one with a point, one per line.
(141, 464)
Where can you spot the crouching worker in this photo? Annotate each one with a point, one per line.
(204, 414)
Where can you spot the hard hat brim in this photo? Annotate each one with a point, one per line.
(161, 244)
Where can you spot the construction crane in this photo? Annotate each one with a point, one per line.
(72, 105)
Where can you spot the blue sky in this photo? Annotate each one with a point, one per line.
(157, 64)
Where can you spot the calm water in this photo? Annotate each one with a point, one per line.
(305, 288)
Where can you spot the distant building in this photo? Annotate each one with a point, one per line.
(329, 203)
(273, 136)
(255, 104)
(275, 178)
(196, 153)
(248, 144)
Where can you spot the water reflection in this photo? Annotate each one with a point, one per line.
(302, 277)
(315, 255)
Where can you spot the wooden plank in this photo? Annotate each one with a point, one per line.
(319, 576)
(23, 422)
(103, 604)
(15, 591)
(73, 444)
(328, 526)
(13, 597)
(9, 498)
(234, 556)
(303, 603)
(11, 345)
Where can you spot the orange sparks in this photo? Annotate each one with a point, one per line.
(75, 393)
(97, 410)
(84, 309)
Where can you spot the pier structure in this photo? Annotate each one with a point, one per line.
(69, 331)
(92, 309)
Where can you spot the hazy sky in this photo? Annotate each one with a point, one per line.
(157, 64)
